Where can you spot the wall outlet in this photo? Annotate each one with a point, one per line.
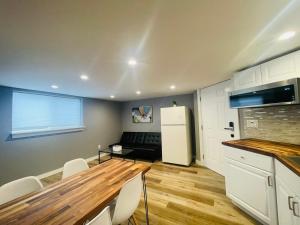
(99, 147)
(252, 123)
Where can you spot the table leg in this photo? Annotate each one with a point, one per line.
(145, 198)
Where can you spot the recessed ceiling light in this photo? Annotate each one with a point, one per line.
(112, 96)
(84, 77)
(138, 92)
(287, 35)
(132, 62)
(172, 87)
(54, 86)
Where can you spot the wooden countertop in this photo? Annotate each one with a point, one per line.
(72, 200)
(277, 150)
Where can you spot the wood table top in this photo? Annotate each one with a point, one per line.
(72, 200)
(278, 150)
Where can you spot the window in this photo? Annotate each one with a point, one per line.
(40, 114)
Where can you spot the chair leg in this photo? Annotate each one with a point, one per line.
(145, 198)
(129, 221)
(134, 220)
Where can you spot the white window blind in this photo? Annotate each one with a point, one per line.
(38, 114)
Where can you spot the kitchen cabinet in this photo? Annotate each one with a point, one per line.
(279, 69)
(288, 195)
(250, 183)
(297, 61)
(247, 78)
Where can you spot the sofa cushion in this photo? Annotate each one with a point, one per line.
(140, 137)
(152, 138)
(128, 138)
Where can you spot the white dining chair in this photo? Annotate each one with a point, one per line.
(102, 219)
(74, 166)
(128, 200)
(18, 188)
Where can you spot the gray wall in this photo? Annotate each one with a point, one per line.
(33, 156)
(157, 103)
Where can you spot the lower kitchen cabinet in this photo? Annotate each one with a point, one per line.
(250, 183)
(288, 195)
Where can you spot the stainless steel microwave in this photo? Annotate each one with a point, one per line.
(278, 93)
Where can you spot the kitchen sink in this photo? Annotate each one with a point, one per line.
(294, 159)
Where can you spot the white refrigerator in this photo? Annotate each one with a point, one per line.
(176, 135)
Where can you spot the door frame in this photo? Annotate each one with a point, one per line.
(202, 160)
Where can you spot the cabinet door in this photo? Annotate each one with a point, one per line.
(279, 69)
(252, 189)
(297, 61)
(247, 78)
(296, 210)
(284, 198)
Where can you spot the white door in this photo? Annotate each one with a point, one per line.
(253, 189)
(175, 144)
(284, 199)
(216, 115)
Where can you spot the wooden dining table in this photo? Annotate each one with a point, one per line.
(76, 199)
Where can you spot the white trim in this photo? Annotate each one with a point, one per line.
(199, 162)
(201, 139)
(52, 172)
(46, 131)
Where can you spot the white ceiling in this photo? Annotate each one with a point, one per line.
(189, 43)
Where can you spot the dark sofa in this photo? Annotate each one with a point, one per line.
(146, 145)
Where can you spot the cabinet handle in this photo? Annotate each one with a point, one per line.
(290, 203)
(294, 209)
(270, 181)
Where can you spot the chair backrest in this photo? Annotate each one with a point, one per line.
(102, 219)
(74, 166)
(128, 199)
(18, 188)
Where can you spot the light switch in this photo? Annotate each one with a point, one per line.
(252, 123)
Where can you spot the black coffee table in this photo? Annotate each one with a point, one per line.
(123, 153)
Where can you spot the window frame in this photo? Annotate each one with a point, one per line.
(15, 134)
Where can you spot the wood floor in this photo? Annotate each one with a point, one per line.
(184, 195)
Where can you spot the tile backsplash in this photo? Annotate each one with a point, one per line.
(275, 123)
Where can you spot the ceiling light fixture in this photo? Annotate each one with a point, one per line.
(84, 77)
(112, 96)
(132, 62)
(172, 87)
(138, 92)
(287, 35)
(54, 86)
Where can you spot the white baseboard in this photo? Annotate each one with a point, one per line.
(52, 172)
(199, 162)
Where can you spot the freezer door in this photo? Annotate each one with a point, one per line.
(175, 145)
(173, 115)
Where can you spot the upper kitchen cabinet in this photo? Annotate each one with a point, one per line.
(279, 69)
(247, 78)
(297, 61)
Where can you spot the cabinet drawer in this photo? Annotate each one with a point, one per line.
(253, 159)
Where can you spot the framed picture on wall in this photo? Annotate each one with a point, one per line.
(142, 114)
